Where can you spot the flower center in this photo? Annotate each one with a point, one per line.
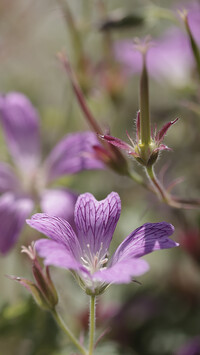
(94, 262)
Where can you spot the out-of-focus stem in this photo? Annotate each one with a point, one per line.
(193, 44)
(139, 180)
(79, 95)
(107, 40)
(74, 34)
(64, 327)
(92, 324)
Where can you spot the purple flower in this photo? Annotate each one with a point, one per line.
(170, 58)
(27, 182)
(85, 251)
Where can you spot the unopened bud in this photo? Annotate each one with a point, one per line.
(43, 291)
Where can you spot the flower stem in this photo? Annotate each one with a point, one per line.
(65, 328)
(159, 188)
(138, 179)
(145, 130)
(92, 324)
(194, 46)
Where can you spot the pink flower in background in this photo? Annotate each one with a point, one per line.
(85, 250)
(25, 183)
(170, 58)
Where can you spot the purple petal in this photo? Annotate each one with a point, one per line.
(20, 124)
(55, 254)
(96, 221)
(57, 229)
(118, 143)
(123, 271)
(8, 180)
(60, 203)
(144, 240)
(13, 213)
(164, 60)
(73, 154)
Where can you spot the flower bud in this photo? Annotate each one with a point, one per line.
(43, 291)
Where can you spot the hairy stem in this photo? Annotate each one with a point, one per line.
(139, 180)
(158, 187)
(145, 129)
(67, 331)
(92, 324)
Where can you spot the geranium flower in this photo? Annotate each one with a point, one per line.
(85, 251)
(25, 183)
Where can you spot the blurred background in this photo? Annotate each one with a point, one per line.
(162, 315)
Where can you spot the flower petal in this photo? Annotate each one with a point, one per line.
(20, 123)
(60, 203)
(72, 154)
(8, 180)
(144, 240)
(56, 254)
(96, 221)
(13, 213)
(123, 271)
(57, 229)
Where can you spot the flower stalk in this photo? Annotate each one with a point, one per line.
(92, 323)
(145, 129)
(76, 42)
(159, 188)
(67, 331)
(194, 46)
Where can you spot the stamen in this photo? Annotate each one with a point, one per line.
(94, 262)
(85, 261)
(30, 251)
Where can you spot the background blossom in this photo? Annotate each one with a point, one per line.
(26, 182)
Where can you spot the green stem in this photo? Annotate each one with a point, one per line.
(145, 130)
(138, 179)
(64, 327)
(159, 188)
(75, 34)
(92, 324)
(193, 44)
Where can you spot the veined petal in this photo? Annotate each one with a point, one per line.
(13, 213)
(144, 240)
(57, 229)
(118, 143)
(72, 154)
(21, 128)
(60, 203)
(96, 221)
(55, 253)
(8, 180)
(122, 271)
